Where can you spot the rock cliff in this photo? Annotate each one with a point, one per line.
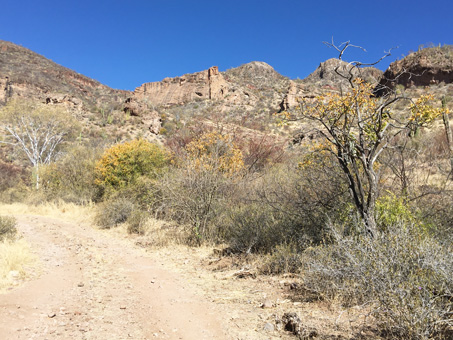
(208, 84)
(253, 87)
(428, 66)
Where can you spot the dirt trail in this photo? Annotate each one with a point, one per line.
(98, 287)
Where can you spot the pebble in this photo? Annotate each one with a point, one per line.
(267, 304)
(268, 327)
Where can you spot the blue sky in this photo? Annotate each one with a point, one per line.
(126, 43)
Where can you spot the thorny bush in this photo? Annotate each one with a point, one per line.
(402, 275)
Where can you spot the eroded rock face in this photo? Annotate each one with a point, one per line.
(208, 84)
(426, 67)
(239, 89)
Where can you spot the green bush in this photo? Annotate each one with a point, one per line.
(8, 228)
(403, 276)
(391, 210)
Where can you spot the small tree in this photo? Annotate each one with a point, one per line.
(37, 129)
(356, 127)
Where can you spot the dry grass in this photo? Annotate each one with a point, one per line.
(155, 234)
(15, 258)
(61, 210)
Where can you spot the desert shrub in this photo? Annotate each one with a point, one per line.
(8, 228)
(193, 191)
(193, 198)
(13, 182)
(11, 175)
(113, 211)
(284, 258)
(136, 222)
(437, 211)
(256, 227)
(260, 151)
(144, 193)
(403, 277)
(216, 152)
(281, 206)
(308, 197)
(122, 164)
(72, 177)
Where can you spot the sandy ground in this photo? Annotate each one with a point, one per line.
(94, 286)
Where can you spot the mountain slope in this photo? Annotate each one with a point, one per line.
(26, 73)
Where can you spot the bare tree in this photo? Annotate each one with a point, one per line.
(37, 129)
(356, 127)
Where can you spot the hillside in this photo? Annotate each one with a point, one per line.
(246, 96)
(28, 74)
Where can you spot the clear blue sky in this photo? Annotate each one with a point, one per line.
(126, 43)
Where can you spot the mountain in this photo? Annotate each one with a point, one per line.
(28, 74)
(245, 96)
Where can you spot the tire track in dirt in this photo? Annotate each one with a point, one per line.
(97, 287)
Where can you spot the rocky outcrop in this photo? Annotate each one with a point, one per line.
(331, 75)
(208, 84)
(335, 72)
(291, 98)
(426, 67)
(255, 86)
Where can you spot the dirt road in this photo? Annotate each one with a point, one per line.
(93, 286)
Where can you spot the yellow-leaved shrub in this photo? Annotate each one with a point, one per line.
(122, 164)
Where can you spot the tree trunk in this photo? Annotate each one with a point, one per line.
(370, 223)
(448, 133)
(37, 176)
(449, 138)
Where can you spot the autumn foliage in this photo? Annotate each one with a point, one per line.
(213, 151)
(123, 163)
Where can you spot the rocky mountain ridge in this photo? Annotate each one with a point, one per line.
(247, 95)
(24, 73)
